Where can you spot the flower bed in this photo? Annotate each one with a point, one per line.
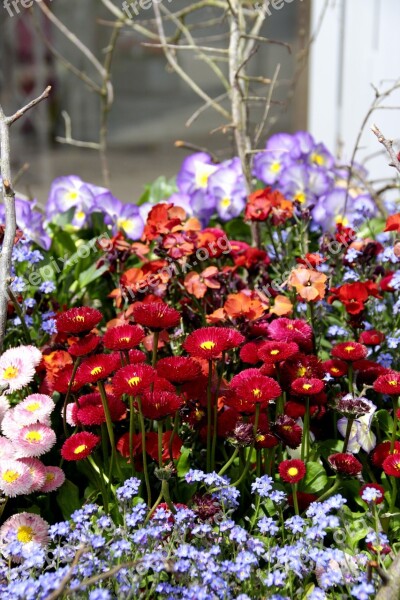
(200, 395)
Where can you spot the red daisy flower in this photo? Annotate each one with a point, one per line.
(381, 451)
(62, 379)
(79, 445)
(97, 367)
(371, 337)
(162, 385)
(123, 337)
(290, 330)
(84, 346)
(159, 404)
(133, 379)
(349, 351)
(301, 365)
(232, 338)
(249, 353)
(335, 367)
(265, 439)
(123, 444)
(253, 388)
(368, 371)
(78, 320)
(375, 486)
(136, 356)
(292, 471)
(178, 369)
(156, 315)
(287, 430)
(307, 386)
(89, 411)
(206, 342)
(345, 463)
(391, 465)
(273, 352)
(388, 384)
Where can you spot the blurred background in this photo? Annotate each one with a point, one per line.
(332, 51)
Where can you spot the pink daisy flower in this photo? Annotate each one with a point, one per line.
(4, 406)
(70, 418)
(15, 478)
(25, 527)
(34, 440)
(54, 478)
(17, 369)
(10, 426)
(36, 407)
(37, 470)
(7, 449)
(34, 353)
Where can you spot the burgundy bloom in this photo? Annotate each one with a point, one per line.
(368, 371)
(89, 411)
(335, 367)
(301, 365)
(123, 337)
(290, 330)
(79, 445)
(371, 337)
(96, 368)
(273, 352)
(227, 421)
(249, 353)
(303, 499)
(388, 383)
(305, 386)
(62, 380)
(178, 369)
(133, 379)
(349, 351)
(382, 451)
(375, 486)
(136, 356)
(287, 430)
(345, 464)
(250, 387)
(85, 345)
(391, 465)
(78, 320)
(158, 404)
(292, 471)
(156, 315)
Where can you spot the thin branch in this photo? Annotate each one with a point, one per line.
(264, 40)
(189, 146)
(68, 576)
(203, 108)
(178, 69)
(261, 126)
(24, 109)
(388, 145)
(68, 139)
(192, 47)
(9, 206)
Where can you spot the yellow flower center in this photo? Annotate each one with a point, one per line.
(80, 449)
(300, 197)
(293, 471)
(134, 381)
(80, 214)
(10, 476)
(335, 370)
(34, 436)
(96, 370)
(317, 159)
(392, 382)
(124, 339)
(257, 393)
(72, 195)
(209, 345)
(274, 352)
(32, 406)
(301, 371)
(24, 534)
(10, 372)
(79, 318)
(290, 326)
(225, 202)
(307, 386)
(349, 348)
(202, 173)
(49, 477)
(275, 167)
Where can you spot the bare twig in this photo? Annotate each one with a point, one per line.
(9, 206)
(195, 148)
(388, 145)
(261, 126)
(68, 139)
(68, 576)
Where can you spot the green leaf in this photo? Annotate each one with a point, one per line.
(316, 478)
(68, 498)
(183, 464)
(91, 274)
(329, 447)
(385, 420)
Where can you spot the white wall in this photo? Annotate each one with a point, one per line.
(358, 45)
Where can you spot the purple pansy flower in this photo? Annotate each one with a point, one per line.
(68, 192)
(226, 186)
(125, 217)
(305, 184)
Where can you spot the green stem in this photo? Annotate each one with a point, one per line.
(153, 508)
(247, 465)
(160, 444)
(306, 429)
(99, 475)
(395, 423)
(331, 490)
(311, 318)
(144, 454)
(18, 310)
(215, 415)
(167, 497)
(350, 378)
(230, 461)
(173, 434)
(209, 415)
(350, 422)
(74, 370)
(393, 495)
(131, 433)
(110, 430)
(295, 501)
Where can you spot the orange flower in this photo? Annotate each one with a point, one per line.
(393, 223)
(282, 306)
(163, 219)
(244, 304)
(309, 284)
(197, 284)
